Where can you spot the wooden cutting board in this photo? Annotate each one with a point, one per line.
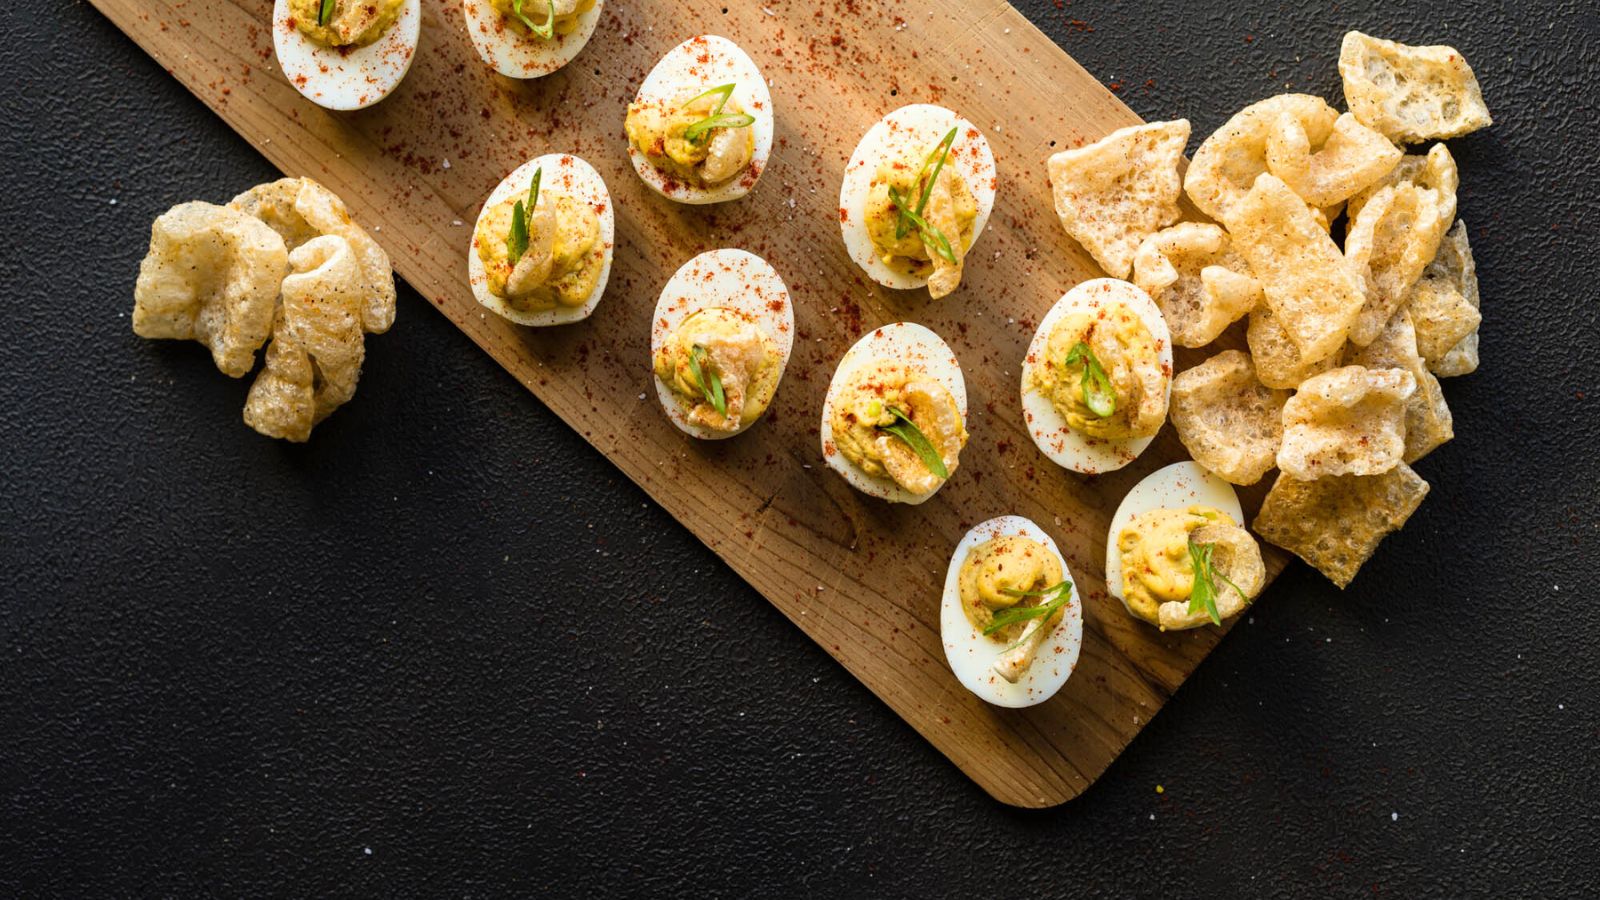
(862, 578)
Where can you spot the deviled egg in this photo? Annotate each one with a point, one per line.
(700, 129)
(894, 418)
(719, 342)
(917, 193)
(1177, 519)
(1098, 377)
(345, 54)
(1011, 620)
(530, 38)
(541, 249)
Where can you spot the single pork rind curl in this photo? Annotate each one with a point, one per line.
(1226, 166)
(300, 209)
(211, 275)
(1227, 419)
(1236, 563)
(1429, 422)
(1119, 190)
(1201, 285)
(1434, 171)
(1394, 237)
(1410, 94)
(1336, 523)
(1277, 360)
(314, 360)
(1445, 308)
(1352, 157)
(1350, 421)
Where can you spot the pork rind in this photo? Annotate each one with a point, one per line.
(211, 275)
(317, 347)
(1352, 157)
(1444, 307)
(1410, 94)
(1335, 524)
(1428, 419)
(1119, 190)
(1434, 171)
(301, 209)
(1226, 166)
(1200, 283)
(1236, 562)
(1314, 293)
(1390, 242)
(1349, 421)
(1277, 360)
(1228, 420)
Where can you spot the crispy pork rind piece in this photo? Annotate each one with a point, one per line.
(1314, 292)
(1335, 524)
(1444, 307)
(1121, 189)
(1434, 171)
(1201, 285)
(1428, 419)
(1390, 242)
(211, 275)
(1410, 94)
(1350, 421)
(1236, 557)
(1353, 157)
(1277, 360)
(300, 209)
(1227, 419)
(1226, 166)
(314, 360)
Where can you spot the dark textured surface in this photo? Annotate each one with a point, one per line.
(446, 649)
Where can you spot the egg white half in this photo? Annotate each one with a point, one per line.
(730, 279)
(916, 130)
(972, 656)
(905, 342)
(576, 178)
(691, 68)
(1066, 446)
(343, 80)
(517, 55)
(1177, 486)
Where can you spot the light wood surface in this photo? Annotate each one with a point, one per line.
(862, 578)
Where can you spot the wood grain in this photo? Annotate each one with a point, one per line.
(860, 577)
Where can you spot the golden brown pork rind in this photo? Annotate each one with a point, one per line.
(1444, 304)
(1353, 157)
(300, 209)
(1428, 419)
(1350, 421)
(1410, 94)
(1228, 420)
(1121, 189)
(1277, 360)
(211, 275)
(1314, 293)
(1392, 239)
(1434, 171)
(1336, 523)
(1226, 166)
(1236, 557)
(1201, 285)
(314, 360)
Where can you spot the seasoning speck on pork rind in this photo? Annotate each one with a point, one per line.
(301, 209)
(1336, 523)
(1410, 94)
(211, 275)
(1201, 285)
(1227, 419)
(1227, 164)
(317, 346)
(1444, 307)
(1277, 360)
(1350, 421)
(1390, 242)
(1352, 157)
(1428, 419)
(1119, 190)
(1314, 292)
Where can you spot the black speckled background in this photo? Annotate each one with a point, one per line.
(446, 649)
